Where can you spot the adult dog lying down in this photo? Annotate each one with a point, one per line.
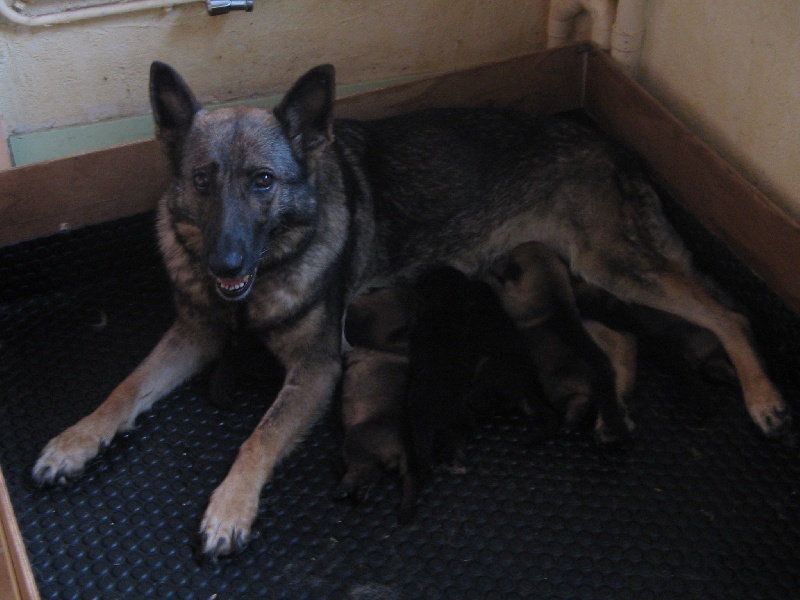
(276, 219)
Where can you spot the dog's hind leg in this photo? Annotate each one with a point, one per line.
(182, 351)
(676, 290)
(621, 348)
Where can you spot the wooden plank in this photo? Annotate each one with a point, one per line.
(8, 579)
(752, 226)
(93, 187)
(544, 82)
(44, 198)
(16, 578)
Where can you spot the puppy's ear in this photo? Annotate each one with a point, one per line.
(506, 269)
(306, 112)
(174, 108)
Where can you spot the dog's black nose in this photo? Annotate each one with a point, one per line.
(226, 264)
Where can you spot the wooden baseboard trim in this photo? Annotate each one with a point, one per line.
(750, 224)
(45, 198)
(16, 577)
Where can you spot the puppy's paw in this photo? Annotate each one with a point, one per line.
(349, 491)
(578, 411)
(363, 472)
(226, 525)
(606, 435)
(65, 456)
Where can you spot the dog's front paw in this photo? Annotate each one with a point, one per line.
(769, 411)
(774, 421)
(65, 456)
(225, 528)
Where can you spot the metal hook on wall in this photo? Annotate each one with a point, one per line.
(222, 7)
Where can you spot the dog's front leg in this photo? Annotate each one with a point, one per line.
(309, 385)
(180, 353)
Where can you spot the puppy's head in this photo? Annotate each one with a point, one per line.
(379, 319)
(525, 282)
(244, 177)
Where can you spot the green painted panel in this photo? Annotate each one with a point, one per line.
(65, 141)
(54, 143)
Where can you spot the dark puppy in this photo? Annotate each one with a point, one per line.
(466, 357)
(373, 397)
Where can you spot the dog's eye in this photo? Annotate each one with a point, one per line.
(263, 180)
(200, 181)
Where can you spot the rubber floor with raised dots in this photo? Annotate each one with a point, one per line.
(698, 505)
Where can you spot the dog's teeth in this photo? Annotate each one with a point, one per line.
(233, 285)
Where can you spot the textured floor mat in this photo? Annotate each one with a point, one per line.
(699, 505)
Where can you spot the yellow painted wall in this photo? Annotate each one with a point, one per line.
(730, 69)
(97, 70)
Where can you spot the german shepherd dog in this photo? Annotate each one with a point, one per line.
(275, 220)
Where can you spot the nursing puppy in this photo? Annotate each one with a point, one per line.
(374, 386)
(409, 414)
(466, 358)
(569, 352)
(276, 219)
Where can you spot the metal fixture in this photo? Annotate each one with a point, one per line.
(15, 11)
(222, 7)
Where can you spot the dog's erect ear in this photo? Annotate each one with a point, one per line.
(306, 112)
(174, 108)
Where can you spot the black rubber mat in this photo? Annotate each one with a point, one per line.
(698, 506)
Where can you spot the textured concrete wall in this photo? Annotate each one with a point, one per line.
(97, 70)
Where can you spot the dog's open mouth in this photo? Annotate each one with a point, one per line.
(237, 288)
